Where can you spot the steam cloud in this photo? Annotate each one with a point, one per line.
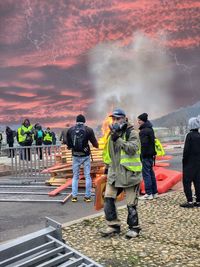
(136, 78)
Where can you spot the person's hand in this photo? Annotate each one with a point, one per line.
(114, 136)
(105, 171)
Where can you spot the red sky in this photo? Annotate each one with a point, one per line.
(44, 48)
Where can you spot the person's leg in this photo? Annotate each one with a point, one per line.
(40, 152)
(153, 178)
(196, 182)
(88, 180)
(187, 186)
(146, 172)
(132, 218)
(76, 168)
(112, 221)
(10, 150)
(29, 154)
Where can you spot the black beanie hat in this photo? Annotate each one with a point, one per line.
(80, 118)
(143, 117)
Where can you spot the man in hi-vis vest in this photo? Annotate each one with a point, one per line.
(121, 155)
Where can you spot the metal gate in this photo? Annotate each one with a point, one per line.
(43, 248)
(30, 161)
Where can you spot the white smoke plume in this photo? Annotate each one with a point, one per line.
(135, 78)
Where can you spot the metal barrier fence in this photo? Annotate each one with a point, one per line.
(30, 161)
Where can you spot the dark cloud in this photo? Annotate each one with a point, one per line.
(44, 48)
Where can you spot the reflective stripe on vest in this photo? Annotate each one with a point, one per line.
(159, 148)
(106, 154)
(48, 137)
(22, 133)
(130, 162)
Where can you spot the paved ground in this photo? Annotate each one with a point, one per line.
(170, 236)
(17, 219)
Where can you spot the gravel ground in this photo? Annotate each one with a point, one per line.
(170, 236)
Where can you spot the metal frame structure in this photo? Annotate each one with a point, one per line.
(43, 248)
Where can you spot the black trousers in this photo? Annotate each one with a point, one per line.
(11, 151)
(187, 185)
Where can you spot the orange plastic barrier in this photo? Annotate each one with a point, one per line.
(162, 164)
(100, 186)
(166, 157)
(165, 178)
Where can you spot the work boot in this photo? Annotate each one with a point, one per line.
(132, 233)
(74, 199)
(87, 199)
(187, 205)
(110, 231)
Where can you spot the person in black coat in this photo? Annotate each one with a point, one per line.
(10, 134)
(147, 140)
(191, 164)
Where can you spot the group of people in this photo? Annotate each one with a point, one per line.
(126, 162)
(26, 134)
(129, 157)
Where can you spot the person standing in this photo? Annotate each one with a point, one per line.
(10, 134)
(121, 155)
(39, 136)
(63, 135)
(191, 164)
(1, 139)
(25, 139)
(48, 139)
(78, 137)
(54, 139)
(148, 153)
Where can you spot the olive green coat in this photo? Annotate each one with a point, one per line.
(118, 174)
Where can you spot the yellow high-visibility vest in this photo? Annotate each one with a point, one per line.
(22, 133)
(48, 137)
(159, 148)
(130, 162)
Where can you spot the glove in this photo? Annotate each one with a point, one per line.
(115, 136)
(105, 171)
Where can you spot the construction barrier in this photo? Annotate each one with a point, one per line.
(165, 178)
(100, 187)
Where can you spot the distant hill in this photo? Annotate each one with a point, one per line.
(179, 117)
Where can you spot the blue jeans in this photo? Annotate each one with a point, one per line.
(149, 176)
(77, 162)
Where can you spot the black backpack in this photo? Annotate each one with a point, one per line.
(79, 138)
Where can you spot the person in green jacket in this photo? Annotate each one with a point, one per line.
(122, 157)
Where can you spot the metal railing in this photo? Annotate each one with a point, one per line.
(30, 161)
(43, 248)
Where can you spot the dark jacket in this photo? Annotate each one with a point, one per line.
(147, 140)
(191, 154)
(89, 137)
(38, 140)
(10, 134)
(63, 136)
